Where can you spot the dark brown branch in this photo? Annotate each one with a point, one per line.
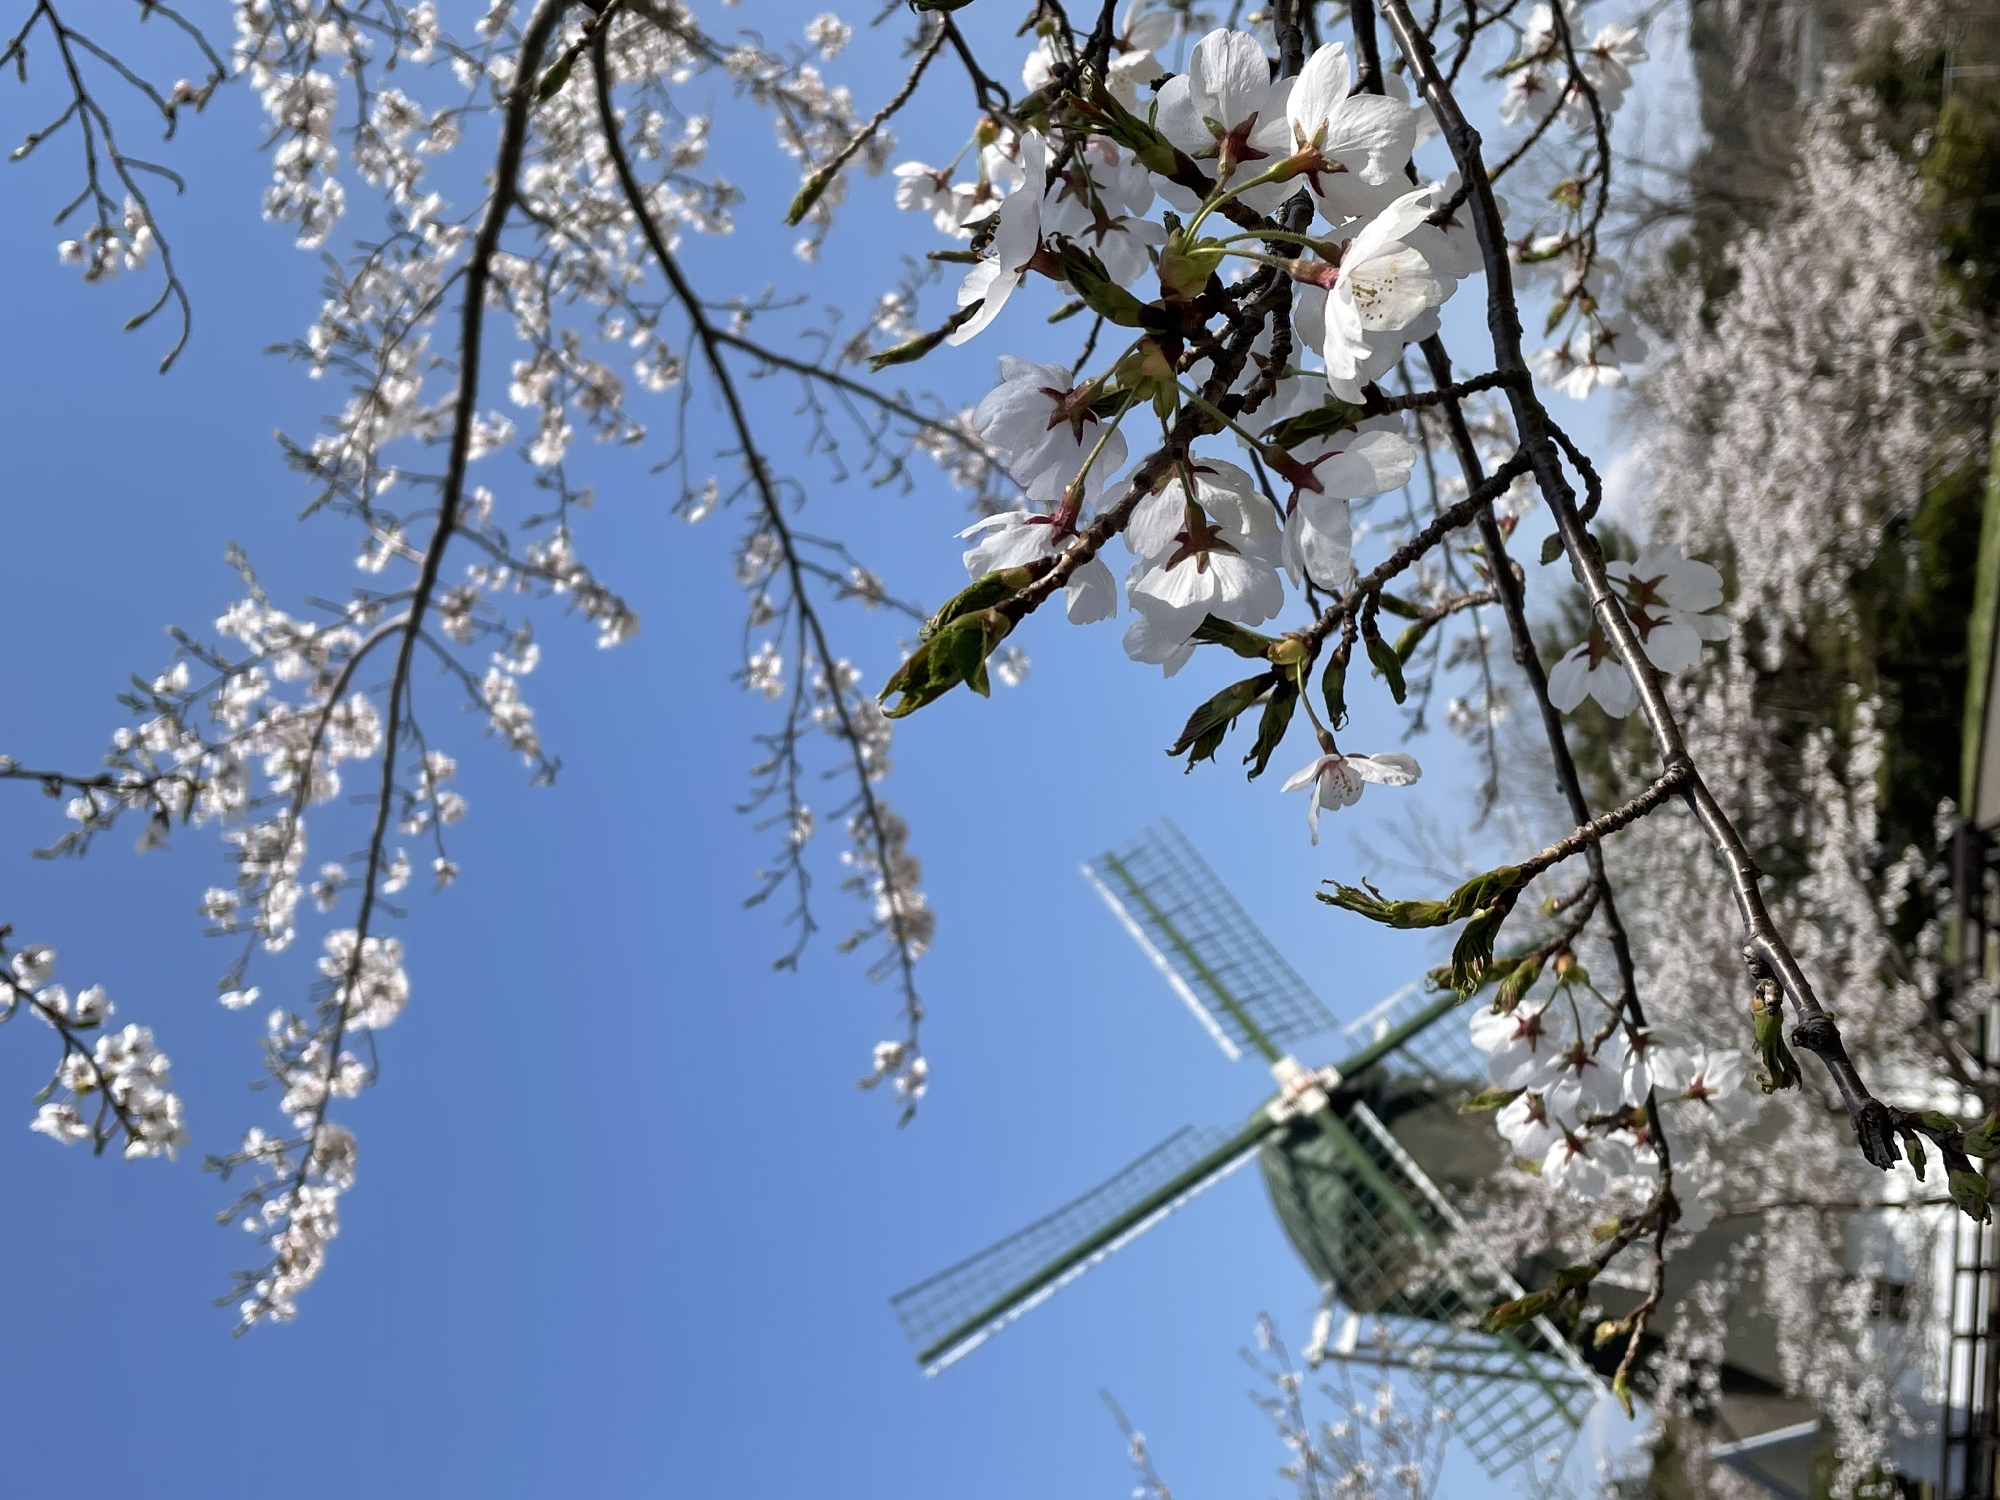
(774, 516)
(1816, 1031)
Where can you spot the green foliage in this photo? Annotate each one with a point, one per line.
(1271, 727)
(1209, 724)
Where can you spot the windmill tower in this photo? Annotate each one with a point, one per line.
(1356, 1158)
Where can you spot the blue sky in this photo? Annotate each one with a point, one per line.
(623, 1224)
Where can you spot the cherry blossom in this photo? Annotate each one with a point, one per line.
(1227, 114)
(1016, 240)
(1353, 146)
(1048, 429)
(1336, 781)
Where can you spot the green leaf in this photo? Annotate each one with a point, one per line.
(1767, 1029)
(1480, 890)
(1552, 547)
(1969, 1192)
(1207, 725)
(1272, 726)
(1474, 949)
(557, 76)
(1487, 1100)
(914, 349)
(1089, 279)
(1983, 1139)
(1243, 642)
(1383, 656)
(1913, 1148)
(1939, 1121)
(1521, 1310)
(1411, 638)
(985, 592)
(955, 653)
(1518, 981)
(1396, 604)
(808, 194)
(1376, 907)
(1321, 421)
(1333, 688)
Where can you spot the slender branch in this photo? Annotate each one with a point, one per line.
(1816, 1030)
(707, 335)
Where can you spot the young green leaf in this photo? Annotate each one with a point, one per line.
(1271, 727)
(1207, 725)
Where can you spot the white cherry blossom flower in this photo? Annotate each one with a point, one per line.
(1015, 537)
(1591, 670)
(1382, 285)
(1358, 143)
(1606, 65)
(1141, 33)
(1593, 360)
(1668, 597)
(1325, 473)
(1525, 1125)
(1338, 780)
(1227, 114)
(1589, 1082)
(922, 188)
(1714, 1079)
(1016, 240)
(1047, 429)
(1218, 487)
(1521, 1053)
(1120, 239)
(1215, 569)
(1585, 1166)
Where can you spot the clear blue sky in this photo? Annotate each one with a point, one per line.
(623, 1225)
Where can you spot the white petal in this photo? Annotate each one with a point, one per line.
(1569, 680)
(1303, 777)
(1091, 593)
(1612, 686)
(1673, 646)
(1392, 768)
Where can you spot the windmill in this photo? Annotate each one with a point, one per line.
(1356, 1158)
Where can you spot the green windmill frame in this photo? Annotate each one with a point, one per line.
(1362, 1211)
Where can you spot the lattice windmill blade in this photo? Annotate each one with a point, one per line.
(1443, 1054)
(955, 1311)
(1205, 945)
(1364, 1215)
(952, 1313)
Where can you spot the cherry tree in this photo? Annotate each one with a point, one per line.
(1254, 231)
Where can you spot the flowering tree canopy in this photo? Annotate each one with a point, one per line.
(1256, 233)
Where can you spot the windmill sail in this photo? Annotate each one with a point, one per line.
(957, 1310)
(1365, 1216)
(1443, 1054)
(1205, 945)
